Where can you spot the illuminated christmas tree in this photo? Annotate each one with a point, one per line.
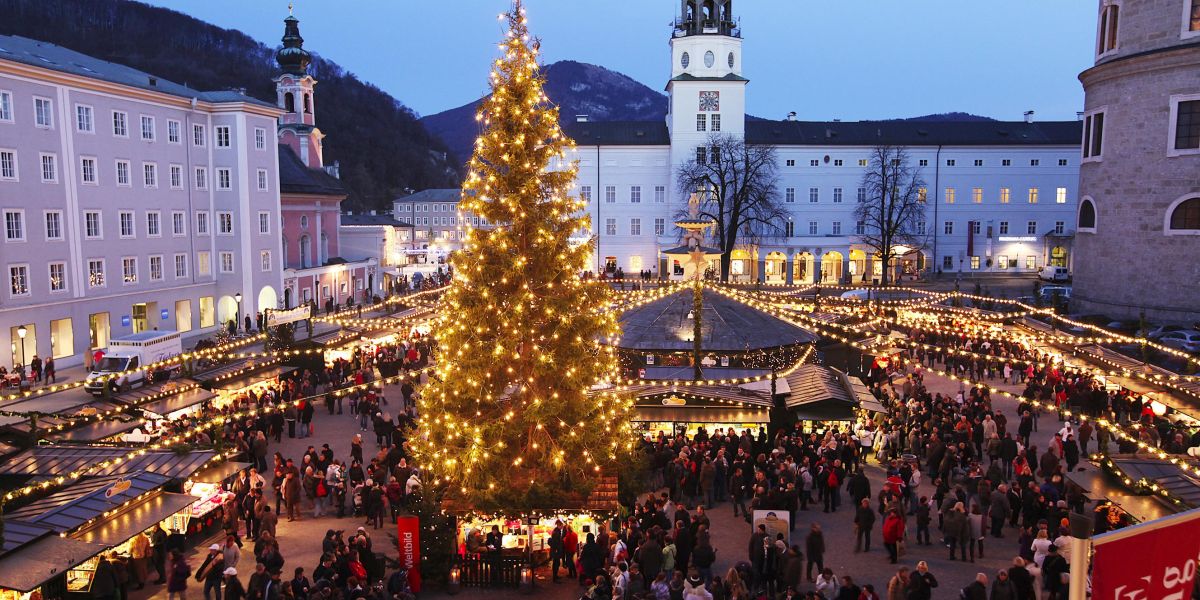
(510, 421)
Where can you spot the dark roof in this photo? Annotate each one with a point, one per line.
(726, 77)
(845, 133)
(618, 133)
(136, 518)
(57, 58)
(385, 220)
(43, 560)
(814, 383)
(433, 195)
(180, 401)
(86, 500)
(914, 133)
(18, 533)
(295, 177)
(728, 326)
(54, 460)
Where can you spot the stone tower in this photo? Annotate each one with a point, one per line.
(294, 94)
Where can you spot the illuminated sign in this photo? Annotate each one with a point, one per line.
(1023, 238)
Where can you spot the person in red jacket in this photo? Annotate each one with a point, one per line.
(570, 547)
(893, 532)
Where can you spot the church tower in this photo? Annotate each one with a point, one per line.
(707, 90)
(294, 94)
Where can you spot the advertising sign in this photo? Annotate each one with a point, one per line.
(1156, 559)
(776, 522)
(279, 317)
(409, 529)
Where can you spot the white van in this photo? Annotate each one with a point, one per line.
(1053, 273)
(130, 355)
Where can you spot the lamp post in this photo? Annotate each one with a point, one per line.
(237, 316)
(21, 333)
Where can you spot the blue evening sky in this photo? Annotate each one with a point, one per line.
(847, 59)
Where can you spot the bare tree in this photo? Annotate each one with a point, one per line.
(738, 186)
(894, 206)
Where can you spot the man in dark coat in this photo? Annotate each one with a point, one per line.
(864, 521)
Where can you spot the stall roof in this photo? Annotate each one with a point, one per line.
(180, 401)
(19, 533)
(686, 373)
(814, 383)
(57, 460)
(99, 430)
(687, 414)
(42, 560)
(728, 325)
(824, 410)
(225, 370)
(139, 517)
(727, 394)
(1165, 474)
(1098, 486)
(73, 507)
(866, 400)
(245, 380)
(220, 471)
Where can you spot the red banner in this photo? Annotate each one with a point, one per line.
(409, 529)
(1156, 560)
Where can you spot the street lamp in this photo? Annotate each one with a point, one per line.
(21, 333)
(237, 316)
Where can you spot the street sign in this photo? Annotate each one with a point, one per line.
(120, 486)
(279, 317)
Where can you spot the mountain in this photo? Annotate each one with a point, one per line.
(950, 116)
(577, 88)
(380, 143)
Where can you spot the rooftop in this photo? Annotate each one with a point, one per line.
(295, 177)
(728, 326)
(372, 220)
(433, 195)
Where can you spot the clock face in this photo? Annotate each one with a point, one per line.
(710, 101)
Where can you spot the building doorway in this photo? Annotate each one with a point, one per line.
(23, 348)
(831, 268)
(1058, 256)
(98, 331)
(141, 319)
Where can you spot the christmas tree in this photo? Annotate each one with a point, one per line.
(510, 420)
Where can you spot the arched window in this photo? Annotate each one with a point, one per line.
(1183, 216)
(289, 102)
(305, 242)
(1087, 215)
(307, 104)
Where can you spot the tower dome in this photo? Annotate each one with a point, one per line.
(292, 57)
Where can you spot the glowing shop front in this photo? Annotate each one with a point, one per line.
(670, 411)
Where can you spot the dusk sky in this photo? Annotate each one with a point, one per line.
(847, 59)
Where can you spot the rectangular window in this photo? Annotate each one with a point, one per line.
(947, 262)
(1059, 227)
(1187, 124)
(716, 122)
(87, 170)
(150, 175)
(262, 180)
(635, 226)
(225, 223)
(862, 194)
(660, 226)
(837, 228)
(610, 194)
(977, 195)
(201, 178)
(862, 162)
(635, 194)
(172, 132)
(975, 263)
(860, 228)
(1033, 162)
(1002, 261)
(181, 266)
(1062, 162)
(260, 138)
(92, 227)
(176, 177)
(1192, 20)
(154, 224)
(49, 168)
(223, 137)
(789, 229)
(129, 270)
(123, 173)
(120, 123)
(1005, 195)
(201, 223)
(8, 165)
(58, 276)
(125, 220)
(18, 277)
(197, 135)
(1030, 262)
(6, 107)
(1033, 195)
(837, 162)
(950, 195)
(264, 222)
(948, 229)
(54, 230)
(226, 262)
(949, 162)
(1031, 228)
(922, 195)
(178, 223)
(147, 128)
(208, 313)
(224, 179)
(1060, 195)
(14, 225)
(790, 162)
(701, 122)
(814, 195)
(1093, 135)
(264, 260)
(1006, 162)
(920, 227)
(924, 162)
(979, 162)
(975, 226)
(156, 268)
(1109, 22)
(1003, 227)
(812, 228)
(701, 155)
(660, 194)
(814, 162)
(95, 272)
(43, 113)
(789, 195)
(837, 195)
(84, 119)
(610, 227)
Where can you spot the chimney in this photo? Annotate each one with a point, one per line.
(1029, 116)
(791, 116)
(581, 118)
(1079, 115)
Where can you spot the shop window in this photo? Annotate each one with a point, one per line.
(208, 312)
(62, 338)
(1030, 262)
(1002, 261)
(975, 263)
(183, 315)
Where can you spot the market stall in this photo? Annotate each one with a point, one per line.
(821, 398)
(178, 405)
(36, 568)
(49, 461)
(210, 486)
(670, 410)
(231, 387)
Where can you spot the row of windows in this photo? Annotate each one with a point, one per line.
(1109, 26)
(835, 227)
(97, 275)
(449, 221)
(1183, 128)
(951, 195)
(1182, 217)
(408, 208)
(706, 122)
(635, 226)
(1003, 261)
(89, 172)
(147, 129)
(924, 162)
(634, 191)
(93, 224)
(1031, 227)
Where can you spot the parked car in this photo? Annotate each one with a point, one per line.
(1052, 273)
(1188, 341)
(1162, 330)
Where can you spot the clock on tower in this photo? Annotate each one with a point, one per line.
(710, 101)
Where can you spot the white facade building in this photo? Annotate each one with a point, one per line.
(1002, 196)
(130, 203)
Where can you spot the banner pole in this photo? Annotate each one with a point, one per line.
(1081, 559)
